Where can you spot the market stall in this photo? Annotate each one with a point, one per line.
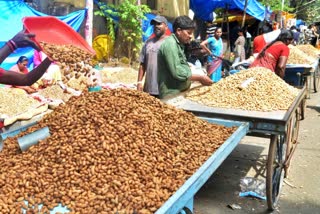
(281, 126)
(303, 67)
(137, 180)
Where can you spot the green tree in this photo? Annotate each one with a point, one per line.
(277, 5)
(306, 10)
(127, 30)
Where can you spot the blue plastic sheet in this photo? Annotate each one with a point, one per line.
(11, 14)
(203, 8)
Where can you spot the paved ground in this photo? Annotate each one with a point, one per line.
(301, 190)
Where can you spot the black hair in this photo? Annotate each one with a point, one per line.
(293, 27)
(284, 36)
(22, 59)
(183, 22)
(241, 30)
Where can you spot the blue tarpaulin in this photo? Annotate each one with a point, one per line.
(203, 8)
(11, 14)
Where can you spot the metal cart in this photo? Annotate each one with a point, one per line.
(281, 127)
(303, 74)
(182, 200)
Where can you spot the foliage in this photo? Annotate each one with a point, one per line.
(307, 10)
(124, 22)
(277, 5)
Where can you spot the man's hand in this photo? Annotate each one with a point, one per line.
(22, 40)
(205, 80)
(139, 87)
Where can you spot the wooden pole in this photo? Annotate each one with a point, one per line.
(244, 13)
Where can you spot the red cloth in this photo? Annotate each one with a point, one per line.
(258, 44)
(2, 71)
(276, 50)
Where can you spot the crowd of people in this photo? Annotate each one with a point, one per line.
(164, 62)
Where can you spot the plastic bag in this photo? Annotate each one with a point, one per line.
(253, 187)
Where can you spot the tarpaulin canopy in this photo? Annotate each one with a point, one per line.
(203, 8)
(11, 14)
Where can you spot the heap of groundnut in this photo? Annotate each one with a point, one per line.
(298, 56)
(255, 89)
(55, 92)
(15, 101)
(115, 151)
(75, 64)
(310, 51)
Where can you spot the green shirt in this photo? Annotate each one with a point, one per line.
(173, 69)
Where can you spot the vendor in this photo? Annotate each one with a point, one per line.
(275, 55)
(259, 42)
(174, 73)
(21, 40)
(21, 67)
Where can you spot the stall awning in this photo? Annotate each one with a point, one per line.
(203, 8)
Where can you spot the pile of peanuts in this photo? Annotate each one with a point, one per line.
(309, 50)
(267, 92)
(298, 56)
(15, 101)
(55, 92)
(114, 151)
(75, 63)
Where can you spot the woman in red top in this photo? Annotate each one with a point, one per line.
(275, 55)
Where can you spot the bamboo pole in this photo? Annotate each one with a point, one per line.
(244, 13)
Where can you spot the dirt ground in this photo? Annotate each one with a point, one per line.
(301, 190)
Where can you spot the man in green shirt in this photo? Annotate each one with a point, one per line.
(174, 73)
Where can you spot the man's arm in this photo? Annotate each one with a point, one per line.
(5, 51)
(19, 79)
(20, 40)
(142, 68)
(140, 76)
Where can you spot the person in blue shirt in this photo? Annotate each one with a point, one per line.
(214, 47)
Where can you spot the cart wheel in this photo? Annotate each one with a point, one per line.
(316, 80)
(186, 210)
(275, 169)
(292, 140)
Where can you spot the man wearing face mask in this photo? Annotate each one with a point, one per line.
(149, 57)
(174, 73)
